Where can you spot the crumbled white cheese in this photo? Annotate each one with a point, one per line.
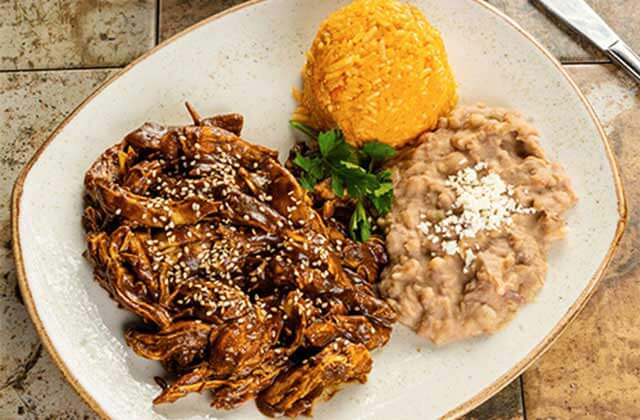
(450, 247)
(483, 203)
(424, 227)
(469, 258)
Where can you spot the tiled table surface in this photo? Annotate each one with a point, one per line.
(53, 53)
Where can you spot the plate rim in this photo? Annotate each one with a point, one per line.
(480, 397)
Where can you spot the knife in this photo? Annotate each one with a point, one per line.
(583, 19)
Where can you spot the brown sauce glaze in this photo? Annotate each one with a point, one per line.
(217, 248)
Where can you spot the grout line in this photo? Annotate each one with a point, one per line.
(52, 69)
(591, 60)
(157, 27)
(119, 67)
(585, 63)
(524, 406)
(157, 34)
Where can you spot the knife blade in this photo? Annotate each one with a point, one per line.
(579, 16)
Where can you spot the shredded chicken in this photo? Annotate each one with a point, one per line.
(243, 288)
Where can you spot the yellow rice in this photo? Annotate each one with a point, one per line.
(379, 71)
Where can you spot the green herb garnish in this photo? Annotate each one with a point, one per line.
(351, 169)
(378, 152)
(304, 128)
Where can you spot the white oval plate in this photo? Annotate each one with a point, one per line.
(246, 61)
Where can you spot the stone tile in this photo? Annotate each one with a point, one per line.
(593, 371)
(31, 106)
(622, 16)
(11, 407)
(506, 405)
(20, 343)
(46, 394)
(176, 15)
(44, 34)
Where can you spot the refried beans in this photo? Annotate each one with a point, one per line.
(476, 207)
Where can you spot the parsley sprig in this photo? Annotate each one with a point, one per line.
(353, 170)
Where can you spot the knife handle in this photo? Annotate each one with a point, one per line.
(622, 54)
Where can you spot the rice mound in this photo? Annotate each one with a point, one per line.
(379, 71)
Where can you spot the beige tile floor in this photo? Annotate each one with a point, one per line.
(53, 53)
